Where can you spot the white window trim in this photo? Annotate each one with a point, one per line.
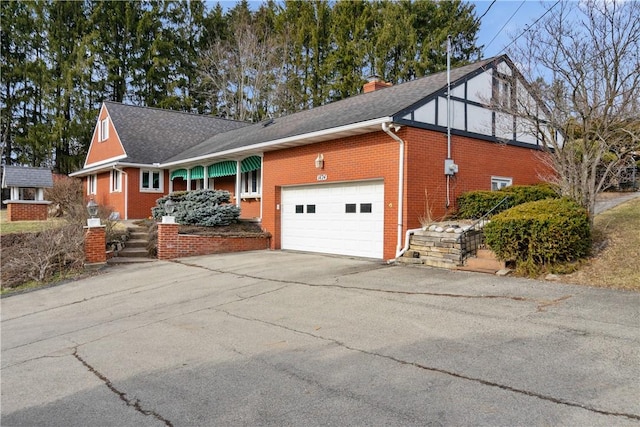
(507, 181)
(245, 176)
(151, 172)
(92, 189)
(116, 177)
(103, 129)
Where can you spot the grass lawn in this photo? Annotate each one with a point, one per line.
(7, 227)
(617, 262)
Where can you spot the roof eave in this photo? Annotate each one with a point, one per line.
(111, 165)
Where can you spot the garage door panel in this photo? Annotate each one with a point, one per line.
(331, 229)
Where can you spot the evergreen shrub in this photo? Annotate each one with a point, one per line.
(475, 204)
(544, 232)
(207, 208)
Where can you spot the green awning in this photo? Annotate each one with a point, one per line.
(179, 173)
(251, 163)
(197, 172)
(225, 168)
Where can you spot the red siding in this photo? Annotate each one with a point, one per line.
(375, 156)
(140, 203)
(104, 150)
(370, 156)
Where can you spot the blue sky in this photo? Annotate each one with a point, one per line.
(514, 13)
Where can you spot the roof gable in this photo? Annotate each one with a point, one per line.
(151, 135)
(111, 148)
(26, 177)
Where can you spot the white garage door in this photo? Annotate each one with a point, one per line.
(345, 219)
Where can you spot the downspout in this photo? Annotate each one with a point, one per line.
(126, 192)
(448, 178)
(399, 249)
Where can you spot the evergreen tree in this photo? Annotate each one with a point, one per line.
(61, 59)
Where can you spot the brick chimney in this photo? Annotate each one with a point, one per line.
(374, 83)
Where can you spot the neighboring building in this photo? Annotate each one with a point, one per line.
(346, 178)
(26, 192)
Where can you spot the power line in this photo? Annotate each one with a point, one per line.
(485, 12)
(530, 26)
(505, 24)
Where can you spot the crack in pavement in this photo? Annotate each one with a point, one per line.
(130, 291)
(135, 404)
(183, 301)
(488, 383)
(541, 304)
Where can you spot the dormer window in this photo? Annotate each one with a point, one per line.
(103, 130)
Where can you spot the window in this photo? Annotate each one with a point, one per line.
(311, 208)
(103, 130)
(503, 93)
(350, 208)
(498, 182)
(299, 208)
(116, 181)
(251, 185)
(151, 181)
(365, 207)
(92, 184)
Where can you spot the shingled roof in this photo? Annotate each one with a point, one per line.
(151, 135)
(26, 177)
(387, 102)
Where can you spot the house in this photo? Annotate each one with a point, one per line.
(348, 177)
(26, 192)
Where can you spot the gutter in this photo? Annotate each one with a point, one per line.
(103, 167)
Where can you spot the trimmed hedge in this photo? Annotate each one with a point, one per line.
(207, 208)
(475, 204)
(538, 233)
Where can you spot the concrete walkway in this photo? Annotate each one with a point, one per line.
(606, 204)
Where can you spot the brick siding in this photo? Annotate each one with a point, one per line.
(95, 245)
(27, 211)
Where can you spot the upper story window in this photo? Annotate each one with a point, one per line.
(116, 181)
(103, 130)
(151, 181)
(92, 184)
(503, 93)
(498, 182)
(251, 185)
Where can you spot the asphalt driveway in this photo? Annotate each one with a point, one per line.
(277, 338)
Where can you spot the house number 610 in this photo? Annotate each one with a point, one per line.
(321, 177)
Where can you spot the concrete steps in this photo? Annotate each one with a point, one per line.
(135, 249)
(485, 261)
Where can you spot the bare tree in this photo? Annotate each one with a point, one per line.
(241, 75)
(583, 59)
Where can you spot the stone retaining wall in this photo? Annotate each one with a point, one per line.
(439, 246)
